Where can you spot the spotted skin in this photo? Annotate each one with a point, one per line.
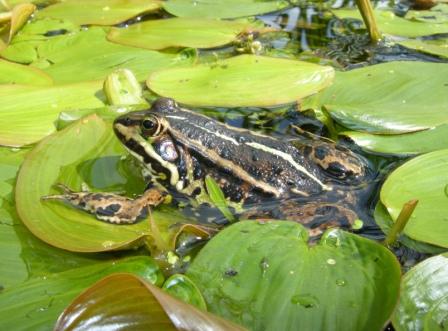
(109, 207)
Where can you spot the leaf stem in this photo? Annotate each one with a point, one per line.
(400, 223)
(366, 10)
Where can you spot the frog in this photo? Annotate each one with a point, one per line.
(261, 176)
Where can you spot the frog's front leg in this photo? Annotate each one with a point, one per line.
(109, 207)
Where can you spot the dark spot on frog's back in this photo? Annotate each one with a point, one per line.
(109, 210)
(164, 105)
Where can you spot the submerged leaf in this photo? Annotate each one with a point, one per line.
(99, 12)
(245, 80)
(221, 8)
(266, 277)
(137, 305)
(36, 303)
(180, 32)
(424, 178)
(424, 297)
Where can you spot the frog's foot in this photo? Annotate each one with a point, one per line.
(109, 207)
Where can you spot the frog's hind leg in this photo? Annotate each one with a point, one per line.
(110, 207)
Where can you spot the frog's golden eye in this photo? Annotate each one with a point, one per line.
(150, 127)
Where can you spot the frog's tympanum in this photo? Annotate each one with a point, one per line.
(308, 181)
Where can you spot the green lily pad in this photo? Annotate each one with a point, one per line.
(245, 80)
(265, 276)
(402, 144)
(385, 222)
(437, 47)
(36, 304)
(181, 287)
(394, 97)
(13, 73)
(30, 112)
(221, 8)
(424, 297)
(99, 12)
(137, 305)
(56, 223)
(180, 32)
(437, 14)
(73, 59)
(391, 24)
(423, 178)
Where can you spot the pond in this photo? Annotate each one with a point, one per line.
(225, 165)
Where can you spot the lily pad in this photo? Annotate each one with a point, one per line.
(394, 97)
(73, 59)
(221, 8)
(265, 276)
(99, 12)
(437, 14)
(180, 32)
(56, 223)
(424, 297)
(391, 24)
(424, 178)
(13, 73)
(36, 304)
(402, 144)
(137, 305)
(437, 47)
(31, 111)
(245, 80)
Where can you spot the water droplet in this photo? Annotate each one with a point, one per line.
(403, 101)
(305, 300)
(357, 224)
(106, 8)
(391, 71)
(340, 282)
(264, 265)
(331, 261)
(108, 243)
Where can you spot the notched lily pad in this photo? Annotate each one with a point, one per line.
(424, 297)
(56, 223)
(424, 178)
(180, 32)
(99, 12)
(138, 305)
(266, 277)
(245, 80)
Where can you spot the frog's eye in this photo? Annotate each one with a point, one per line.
(149, 127)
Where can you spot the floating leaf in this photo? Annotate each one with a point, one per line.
(99, 12)
(36, 304)
(13, 73)
(424, 178)
(56, 223)
(138, 305)
(221, 8)
(424, 296)
(391, 24)
(31, 111)
(402, 144)
(18, 17)
(245, 80)
(122, 88)
(437, 47)
(437, 14)
(73, 58)
(180, 32)
(394, 97)
(265, 276)
(181, 287)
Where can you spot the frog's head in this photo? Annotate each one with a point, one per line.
(146, 135)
